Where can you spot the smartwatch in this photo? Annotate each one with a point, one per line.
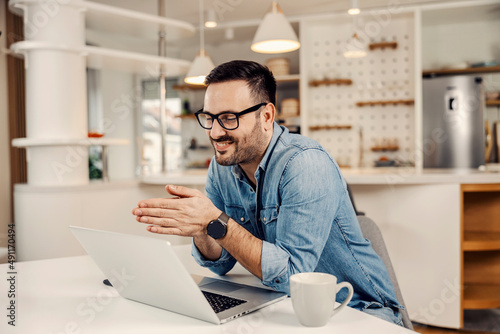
(217, 228)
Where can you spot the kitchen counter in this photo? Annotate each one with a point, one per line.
(404, 175)
(375, 176)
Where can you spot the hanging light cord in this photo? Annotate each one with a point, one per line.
(202, 30)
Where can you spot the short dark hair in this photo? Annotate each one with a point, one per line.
(259, 78)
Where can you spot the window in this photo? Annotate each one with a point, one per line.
(151, 128)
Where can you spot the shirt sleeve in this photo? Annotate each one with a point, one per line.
(226, 261)
(311, 188)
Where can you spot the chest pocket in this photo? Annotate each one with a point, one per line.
(268, 219)
(239, 215)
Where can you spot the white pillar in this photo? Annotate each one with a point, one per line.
(56, 91)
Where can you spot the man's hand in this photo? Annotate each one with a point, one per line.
(187, 214)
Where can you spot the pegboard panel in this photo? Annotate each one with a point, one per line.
(384, 74)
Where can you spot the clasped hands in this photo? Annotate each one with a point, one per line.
(186, 214)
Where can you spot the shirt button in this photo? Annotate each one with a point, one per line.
(242, 219)
(264, 219)
(278, 281)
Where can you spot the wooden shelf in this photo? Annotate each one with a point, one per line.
(493, 103)
(480, 187)
(383, 45)
(385, 149)
(188, 116)
(286, 116)
(469, 70)
(481, 241)
(383, 103)
(316, 83)
(481, 296)
(330, 127)
(288, 77)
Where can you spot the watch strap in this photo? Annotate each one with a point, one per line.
(223, 218)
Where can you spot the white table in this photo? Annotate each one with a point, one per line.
(66, 295)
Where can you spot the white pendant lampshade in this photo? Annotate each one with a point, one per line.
(354, 8)
(211, 21)
(275, 34)
(202, 64)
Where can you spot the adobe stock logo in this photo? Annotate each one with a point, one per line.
(437, 306)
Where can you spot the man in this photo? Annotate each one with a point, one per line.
(276, 202)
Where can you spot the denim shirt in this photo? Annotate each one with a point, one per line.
(301, 211)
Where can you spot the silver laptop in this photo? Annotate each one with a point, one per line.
(147, 270)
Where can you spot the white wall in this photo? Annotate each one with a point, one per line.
(5, 217)
(231, 50)
(449, 44)
(99, 206)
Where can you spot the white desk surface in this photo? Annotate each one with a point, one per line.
(66, 295)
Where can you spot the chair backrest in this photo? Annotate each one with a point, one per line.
(372, 232)
(349, 192)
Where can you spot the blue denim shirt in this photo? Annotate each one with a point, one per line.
(302, 212)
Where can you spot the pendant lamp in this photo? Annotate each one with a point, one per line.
(275, 34)
(354, 8)
(354, 47)
(202, 64)
(211, 21)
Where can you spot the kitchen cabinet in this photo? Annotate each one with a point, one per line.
(480, 246)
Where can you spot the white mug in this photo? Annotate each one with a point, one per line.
(313, 297)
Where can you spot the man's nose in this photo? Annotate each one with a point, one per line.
(217, 130)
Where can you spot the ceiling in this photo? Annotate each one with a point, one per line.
(244, 15)
(229, 11)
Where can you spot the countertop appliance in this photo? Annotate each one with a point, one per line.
(453, 122)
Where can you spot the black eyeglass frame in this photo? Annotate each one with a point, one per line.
(236, 114)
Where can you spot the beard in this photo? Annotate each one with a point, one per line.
(246, 150)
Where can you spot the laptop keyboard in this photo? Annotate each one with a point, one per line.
(221, 303)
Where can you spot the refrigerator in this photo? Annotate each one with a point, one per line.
(453, 122)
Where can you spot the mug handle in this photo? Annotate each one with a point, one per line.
(348, 298)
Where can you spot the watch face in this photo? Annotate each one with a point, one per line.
(216, 229)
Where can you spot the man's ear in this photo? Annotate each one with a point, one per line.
(268, 114)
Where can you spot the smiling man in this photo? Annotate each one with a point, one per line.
(275, 202)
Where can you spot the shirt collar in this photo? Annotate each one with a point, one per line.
(277, 132)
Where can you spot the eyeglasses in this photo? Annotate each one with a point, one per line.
(228, 120)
